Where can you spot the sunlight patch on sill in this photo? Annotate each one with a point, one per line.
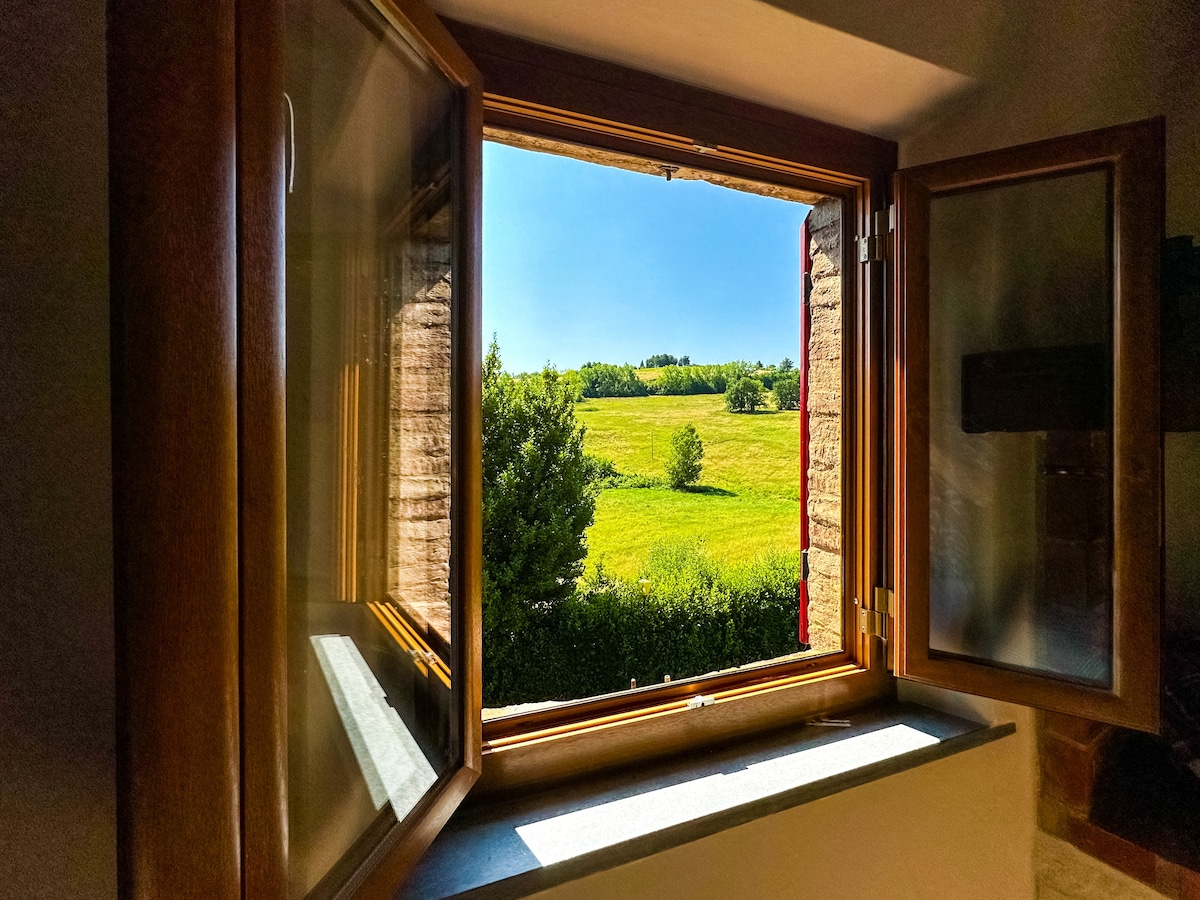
(583, 831)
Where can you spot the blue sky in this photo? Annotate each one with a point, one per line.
(589, 263)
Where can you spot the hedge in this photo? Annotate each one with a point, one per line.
(699, 616)
(604, 380)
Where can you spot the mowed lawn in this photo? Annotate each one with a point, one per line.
(747, 501)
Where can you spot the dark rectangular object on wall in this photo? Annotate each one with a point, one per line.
(1044, 389)
(1181, 393)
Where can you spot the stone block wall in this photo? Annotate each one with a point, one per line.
(825, 426)
(418, 575)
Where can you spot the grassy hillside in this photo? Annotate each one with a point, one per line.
(747, 501)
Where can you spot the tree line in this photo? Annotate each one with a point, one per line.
(674, 379)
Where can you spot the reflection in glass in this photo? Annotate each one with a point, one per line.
(1021, 426)
(369, 260)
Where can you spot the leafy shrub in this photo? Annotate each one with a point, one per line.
(604, 380)
(599, 468)
(604, 474)
(621, 480)
(787, 390)
(538, 499)
(574, 384)
(744, 395)
(683, 464)
(684, 380)
(698, 616)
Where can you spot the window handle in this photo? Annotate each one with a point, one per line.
(291, 168)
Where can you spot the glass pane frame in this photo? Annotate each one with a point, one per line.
(512, 116)
(593, 146)
(380, 858)
(1132, 155)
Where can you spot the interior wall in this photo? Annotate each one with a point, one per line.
(1110, 62)
(57, 803)
(961, 827)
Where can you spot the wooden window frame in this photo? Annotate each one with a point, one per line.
(395, 847)
(198, 163)
(550, 94)
(1133, 156)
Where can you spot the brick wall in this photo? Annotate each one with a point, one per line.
(1071, 754)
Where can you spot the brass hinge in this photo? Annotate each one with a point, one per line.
(884, 600)
(873, 620)
(874, 247)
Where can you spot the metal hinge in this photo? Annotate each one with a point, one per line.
(874, 247)
(873, 620)
(804, 570)
(884, 600)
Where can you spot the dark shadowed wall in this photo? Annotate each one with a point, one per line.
(57, 788)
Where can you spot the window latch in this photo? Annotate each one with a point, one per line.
(291, 138)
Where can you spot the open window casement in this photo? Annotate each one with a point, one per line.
(1026, 424)
(383, 440)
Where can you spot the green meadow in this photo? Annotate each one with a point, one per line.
(747, 501)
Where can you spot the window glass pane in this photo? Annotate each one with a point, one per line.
(663, 424)
(1021, 426)
(369, 273)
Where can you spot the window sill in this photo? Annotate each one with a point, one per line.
(516, 847)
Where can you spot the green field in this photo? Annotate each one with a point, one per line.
(747, 501)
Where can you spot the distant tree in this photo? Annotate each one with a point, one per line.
(786, 365)
(685, 360)
(683, 463)
(744, 395)
(659, 360)
(758, 365)
(787, 390)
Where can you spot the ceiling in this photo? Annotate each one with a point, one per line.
(873, 65)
